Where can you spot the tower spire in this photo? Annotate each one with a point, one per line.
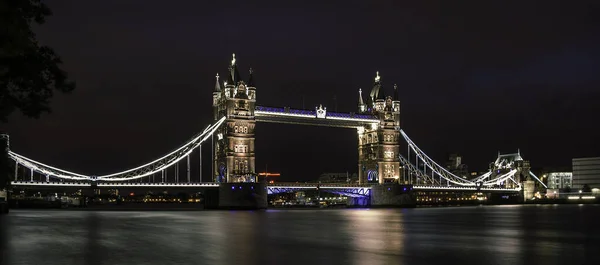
(396, 92)
(251, 78)
(218, 84)
(362, 107)
(234, 74)
(360, 97)
(380, 94)
(376, 91)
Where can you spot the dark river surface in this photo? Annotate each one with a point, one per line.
(484, 235)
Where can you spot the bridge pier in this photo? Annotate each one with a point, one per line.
(358, 202)
(393, 195)
(528, 190)
(243, 195)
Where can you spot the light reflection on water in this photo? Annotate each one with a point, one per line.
(565, 234)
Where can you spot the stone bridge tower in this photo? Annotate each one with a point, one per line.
(234, 144)
(234, 153)
(379, 145)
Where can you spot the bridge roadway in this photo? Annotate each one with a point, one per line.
(286, 186)
(311, 117)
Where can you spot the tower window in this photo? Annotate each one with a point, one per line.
(240, 129)
(388, 171)
(241, 148)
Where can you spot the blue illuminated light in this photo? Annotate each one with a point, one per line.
(232, 187)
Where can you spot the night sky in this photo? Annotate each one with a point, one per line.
(475, 77)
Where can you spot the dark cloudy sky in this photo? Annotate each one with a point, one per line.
(475, 77)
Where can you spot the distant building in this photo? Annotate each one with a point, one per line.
(559, 180)
(338, 178)
(456, 167)
(586, 171)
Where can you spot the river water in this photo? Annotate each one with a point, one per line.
(512, 235)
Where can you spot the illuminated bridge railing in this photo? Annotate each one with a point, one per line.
(174, 185)
(50, 184)
(337, 188)
(319, 185)
(459, 188)
(113, 184)
(313, 114)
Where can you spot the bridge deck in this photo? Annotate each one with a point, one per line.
(310, 117)
(295, 186)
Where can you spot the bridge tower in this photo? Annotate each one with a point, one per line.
(514, 161)
(234, 155)
(379, 144)
(234, 148)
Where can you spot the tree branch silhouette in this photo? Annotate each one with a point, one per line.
(30, 73)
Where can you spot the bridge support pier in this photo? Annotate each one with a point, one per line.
(393, 195)
(243, 195)
(358, 202)
(528, 190)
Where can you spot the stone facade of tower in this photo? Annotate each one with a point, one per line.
(379, 145)
(234, 153)
(507, 162)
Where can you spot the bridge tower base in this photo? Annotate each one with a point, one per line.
(528, 189)
(243, 195)
(358, 202)
(393, 195)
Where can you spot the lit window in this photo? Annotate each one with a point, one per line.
(388, 154)
(241, 148)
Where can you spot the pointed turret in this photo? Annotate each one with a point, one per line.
(218, 84)
(380, 94)
(251, 79)
(217, 93)
(362, 107)
(234, 74)
(396, 105)
(377, 94)
(251, 86)
(229, 75)
(376, 87)
(360, 97)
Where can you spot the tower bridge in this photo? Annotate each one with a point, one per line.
(386, 176)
